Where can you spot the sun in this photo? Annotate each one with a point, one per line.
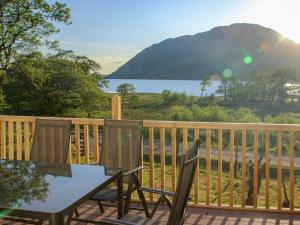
(282, 16)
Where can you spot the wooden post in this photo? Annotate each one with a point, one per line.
(116, 107)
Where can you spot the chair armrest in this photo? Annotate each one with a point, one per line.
(161, 192)
(133, 171)
(111, 221)
(157, 191)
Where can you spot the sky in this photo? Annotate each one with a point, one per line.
(113, 31)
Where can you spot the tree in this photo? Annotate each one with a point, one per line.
(52, 86)
(204, 84)
(223, 87)
(125, 89)
(26, 25)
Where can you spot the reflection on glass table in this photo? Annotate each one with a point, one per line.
(50, 191)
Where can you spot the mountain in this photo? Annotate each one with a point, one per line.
(239, 47)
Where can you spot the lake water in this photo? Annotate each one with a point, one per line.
(190, 87)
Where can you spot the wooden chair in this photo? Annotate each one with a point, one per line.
(185, 180)
(51, 141)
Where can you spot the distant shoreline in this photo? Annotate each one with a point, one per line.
(190, 87)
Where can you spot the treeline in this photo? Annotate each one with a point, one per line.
(271, 87)
(57, 85)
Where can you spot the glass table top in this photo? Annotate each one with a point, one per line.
(48, 188)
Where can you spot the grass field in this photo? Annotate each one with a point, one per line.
(225, 185)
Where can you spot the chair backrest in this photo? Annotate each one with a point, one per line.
(185, 180)
(121, 144)
(51, 141)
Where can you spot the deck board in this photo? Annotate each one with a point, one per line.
(193, 216)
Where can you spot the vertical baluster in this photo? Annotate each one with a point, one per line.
(162, 157)
(231, 156)
(279, 176)
(220, 161)
(26, 140)
(185, 139)
(208, 164)
(174, 147)
(77, 143)
(95, 142)
(244, 159)
(3, 139)
(69, 159)
(151, 159)
(18, 140)
(86, 143)
(267, 150)
(141, 173)
(255, 164)
(32, 129)
(10, 140)
(292, 168)
(196, 181)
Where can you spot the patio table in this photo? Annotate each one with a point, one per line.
(51, 191)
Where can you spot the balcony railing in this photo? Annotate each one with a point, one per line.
(243, 166)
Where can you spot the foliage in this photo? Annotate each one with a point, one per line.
(26, 25)
(27, 185)
(126, 89)
(267, 87)
(284, 118)
(212, 113)
(173, 98)
(53, 86)
(243, 115)
(3, 103)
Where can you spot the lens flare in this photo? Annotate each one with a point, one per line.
(248, 59)
(227, 73)
(264, 46)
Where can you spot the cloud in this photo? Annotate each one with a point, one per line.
(99, 45)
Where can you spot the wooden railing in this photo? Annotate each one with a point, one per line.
(242, 166)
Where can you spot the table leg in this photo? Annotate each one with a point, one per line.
(56, 219)
(120, 196)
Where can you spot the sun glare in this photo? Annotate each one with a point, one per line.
(282, 16)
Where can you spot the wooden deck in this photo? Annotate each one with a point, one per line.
(194, 216)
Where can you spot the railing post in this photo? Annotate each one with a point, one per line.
(116, 107)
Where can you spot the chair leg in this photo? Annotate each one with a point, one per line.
(69, 219)
(143, 200)
(141, 196)
(160, 200)
(167, 201)
(76, 213)
(128, 196)
(100, 206)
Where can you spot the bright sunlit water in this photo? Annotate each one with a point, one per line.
(190, 87)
